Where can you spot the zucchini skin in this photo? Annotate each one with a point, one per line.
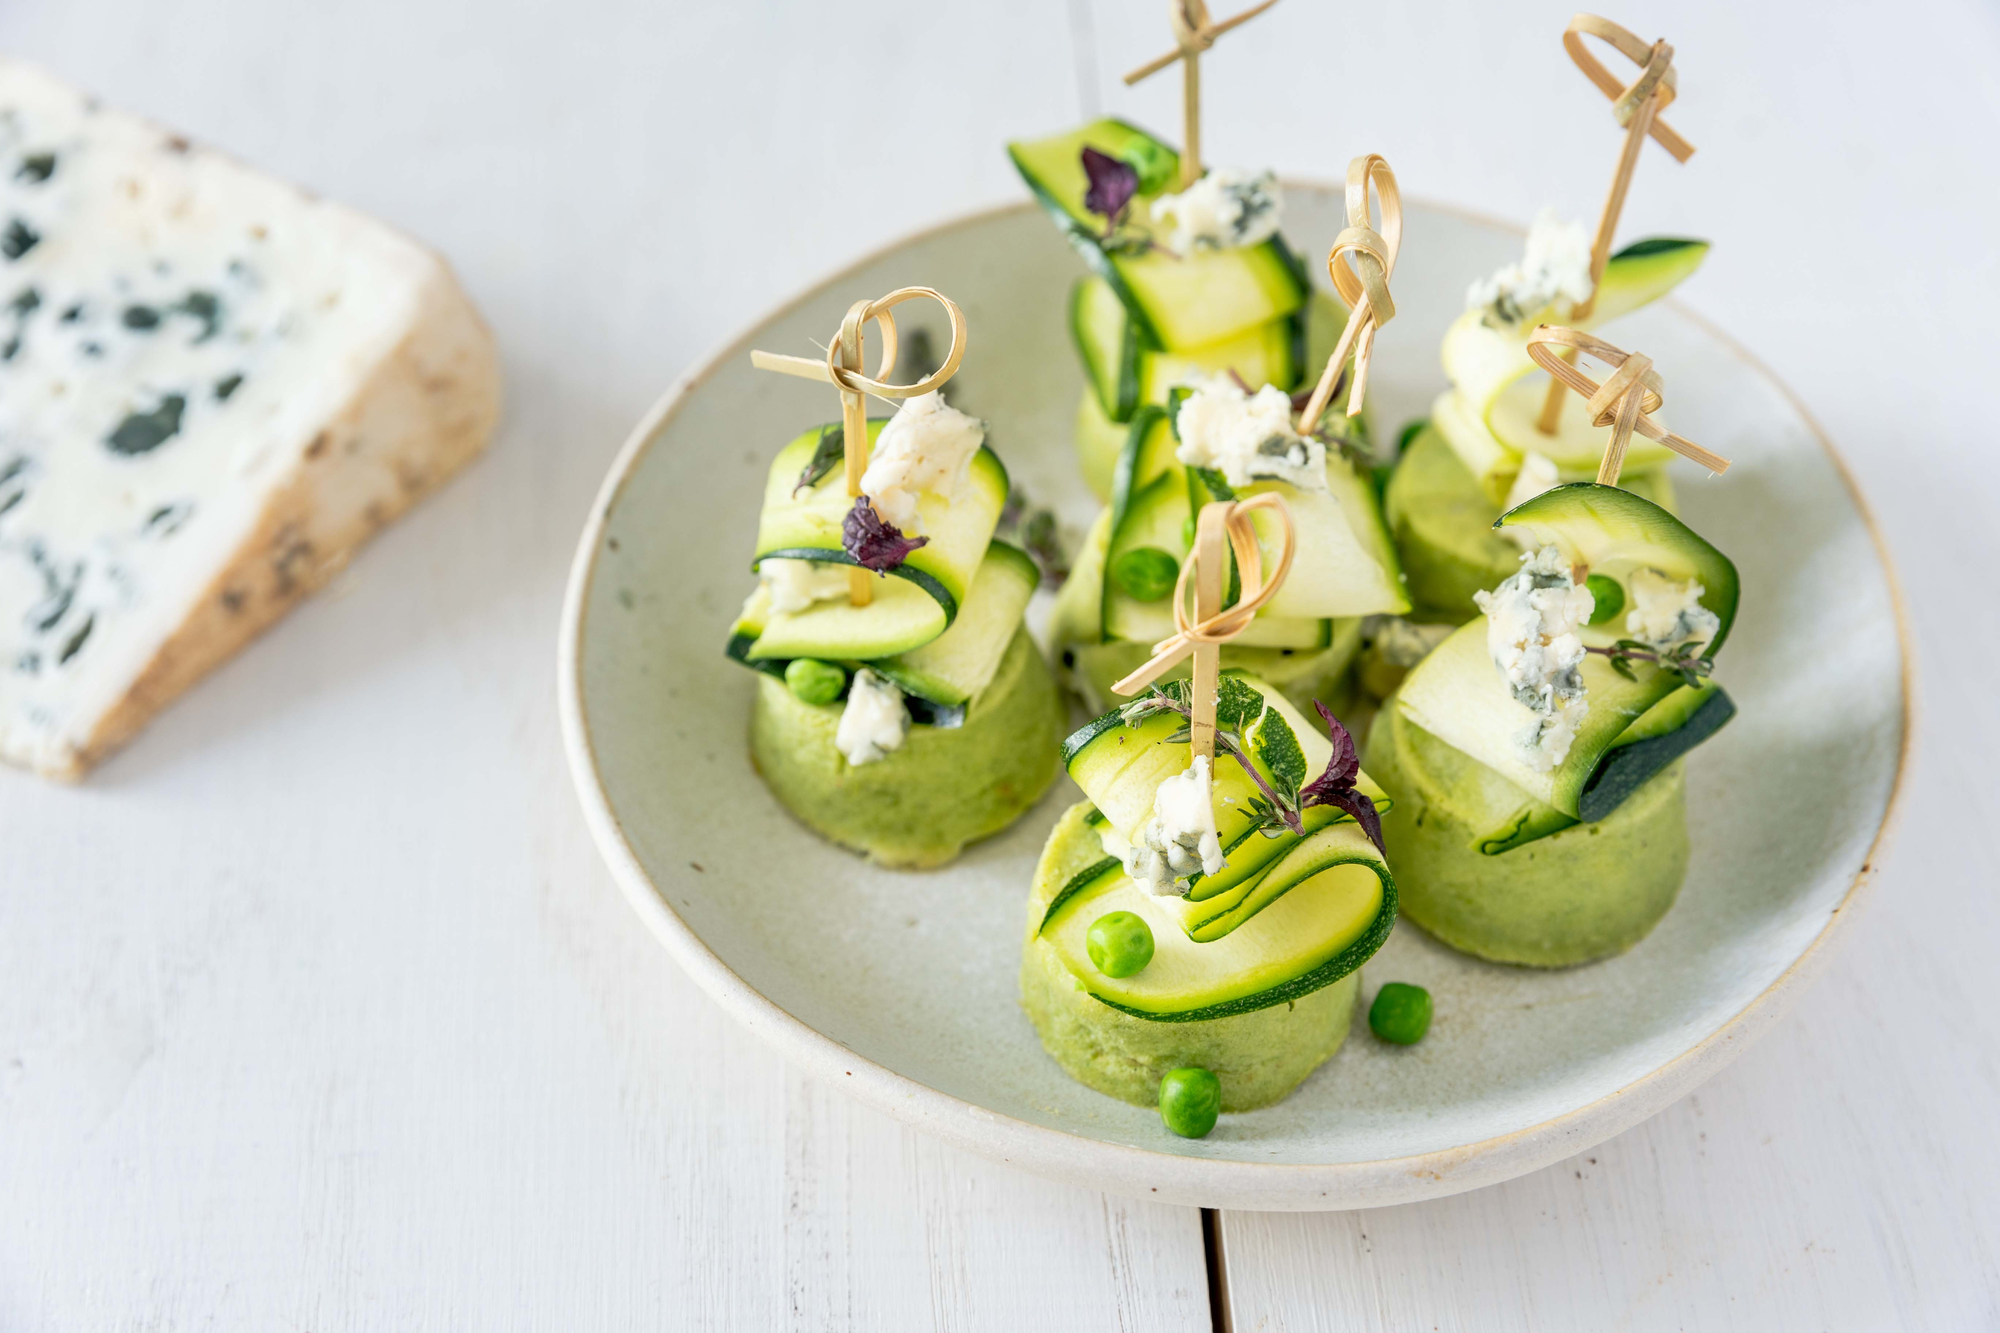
(1626, 768)
(928, 582)
(1333, 969)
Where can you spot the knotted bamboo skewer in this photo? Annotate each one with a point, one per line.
(1201, 624)
(1622, 402)
(842, 368)
(1636, 106)
(1193, 34)
(1363, 281)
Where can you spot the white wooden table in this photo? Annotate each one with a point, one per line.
(318, 1012)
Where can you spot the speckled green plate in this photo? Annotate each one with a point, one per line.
(899, 988)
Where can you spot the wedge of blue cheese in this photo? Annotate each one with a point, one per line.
(214, 386)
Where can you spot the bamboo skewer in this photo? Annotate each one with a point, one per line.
(1193, 34)
(1363, 281)
(1623, 402)
(1636, 107)
(843, 367)
(1201, 632)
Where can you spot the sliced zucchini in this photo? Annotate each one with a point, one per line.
(954, 667)
(1079, 613)
(1665, 732)
(804, 523)
(748, 627)
(1345, 563)
(1611, 531)
(1321, 929)
(1108, 341)
(1433, 775)
(1483, 361)
(904, 615)
(1643, 272)
(1146, 455)
(1176, 303)
(1459, 696)
(1154, 523)
(1329, 844)
(1099, 441)
(1127, 371)
(1442, 523)
(1121, 765)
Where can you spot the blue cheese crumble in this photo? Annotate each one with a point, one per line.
(1666, 614)
(875, 721)
(1533, 621)
(1224, 210)
(927, 446)
(798, 585)
(1552, 277)
(1179, 839)
(1247, 437)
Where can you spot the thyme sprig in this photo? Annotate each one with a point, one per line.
(1685, 659)
(1353, 449)
(1230, 742)
(1334, 787)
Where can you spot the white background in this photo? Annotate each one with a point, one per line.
(317, 1010)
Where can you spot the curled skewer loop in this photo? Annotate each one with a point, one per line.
(845, 372)
(1360, 263)
(1624, 402)
(1194, 628)
(843, 368)
(1656, 66)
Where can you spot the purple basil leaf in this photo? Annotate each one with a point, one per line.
(874, 544)
(1363, 810)
(1112, 184)
(1340, 767)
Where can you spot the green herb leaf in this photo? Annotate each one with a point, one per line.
(1277, 745)
(832, 447)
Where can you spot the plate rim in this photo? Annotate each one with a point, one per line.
(1146, 1172)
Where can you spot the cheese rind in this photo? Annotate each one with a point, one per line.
(213, 388)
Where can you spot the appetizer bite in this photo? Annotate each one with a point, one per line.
(1500, 435)
(1190, 279)
(1215, 439)
(1197, 925)
(1535, 756)
(901, 708)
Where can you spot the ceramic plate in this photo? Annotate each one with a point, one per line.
(900, 987)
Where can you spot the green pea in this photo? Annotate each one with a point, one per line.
(1145, 573)
(1154, 162)
(814, 681)
(1119, 943)
(1610, 595)
(1401, 1013)
(1189, 1101)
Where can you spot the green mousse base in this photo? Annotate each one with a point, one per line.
(1442, 523)
(1582, 893)
(917, 807)
(1259, 1056)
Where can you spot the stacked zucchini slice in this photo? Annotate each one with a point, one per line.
(1147, 323)
(1145, 320)
(1458, 466)
(1555, 864)
(1254, 969)
(943, 627)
